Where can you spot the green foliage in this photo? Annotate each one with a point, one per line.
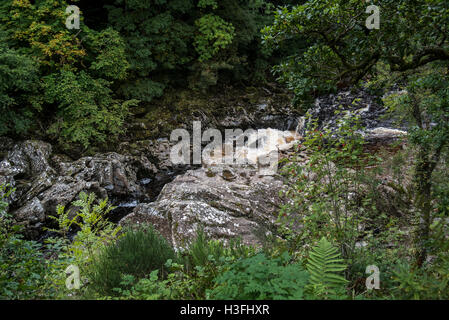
(108, 49)
(202, 251)
(333, 193)
(137, 253)
(214, 34)
(77, 86)
(18, 81)
(156, 40)
(430, 283)
(94, 229)
(74, 102)
(22, 264)
(93, 233)
(203, 261)
(38, 29)
(176, 285)
(86, 110)
(144, 289)
(5, 193)
(324, 264)
(338, 50)
(193, 38)
(259, 277)
(206, 259)
(22, 268)
(31, 270)
(425, 101)
(205, 3)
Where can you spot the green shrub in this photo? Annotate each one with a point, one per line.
(203, 251)
(260, 277)
(334, 193)
(22, 265)
(428, 283)
(94, 230)
(22, 268)
(149, 288)
(138, 252)
(94, 233)
(60, 81)
(379, 252)
(18, 78)
(203, 261)
(214, 35)
(177, 285)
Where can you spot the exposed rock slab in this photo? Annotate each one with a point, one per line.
(245, 206)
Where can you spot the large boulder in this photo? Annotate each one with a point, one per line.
(226, 202)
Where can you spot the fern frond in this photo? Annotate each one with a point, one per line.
(323, 264)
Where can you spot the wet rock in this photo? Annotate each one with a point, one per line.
(367, 107)
(228, 201)
(26, 168)
(158, 153)
(115, 173)
(356, 103)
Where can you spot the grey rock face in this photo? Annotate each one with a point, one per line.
(43, 181)
(26, 168)
(245, 206)
(357, 103)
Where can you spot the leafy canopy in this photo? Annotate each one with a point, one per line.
(339, 50)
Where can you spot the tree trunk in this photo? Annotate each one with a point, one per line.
(425, 164)
(423, 184)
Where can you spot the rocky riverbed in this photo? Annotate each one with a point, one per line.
(138, 177)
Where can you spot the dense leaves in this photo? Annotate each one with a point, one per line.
(73, 99)
(260, 278)
(18, 84)
(137, 253)
(340, 50)
(76, 86)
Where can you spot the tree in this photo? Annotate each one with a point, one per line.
(174, 43)
(18, 82)
(61, 78)
(339, 50)
(426, 100)
(158, 38)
